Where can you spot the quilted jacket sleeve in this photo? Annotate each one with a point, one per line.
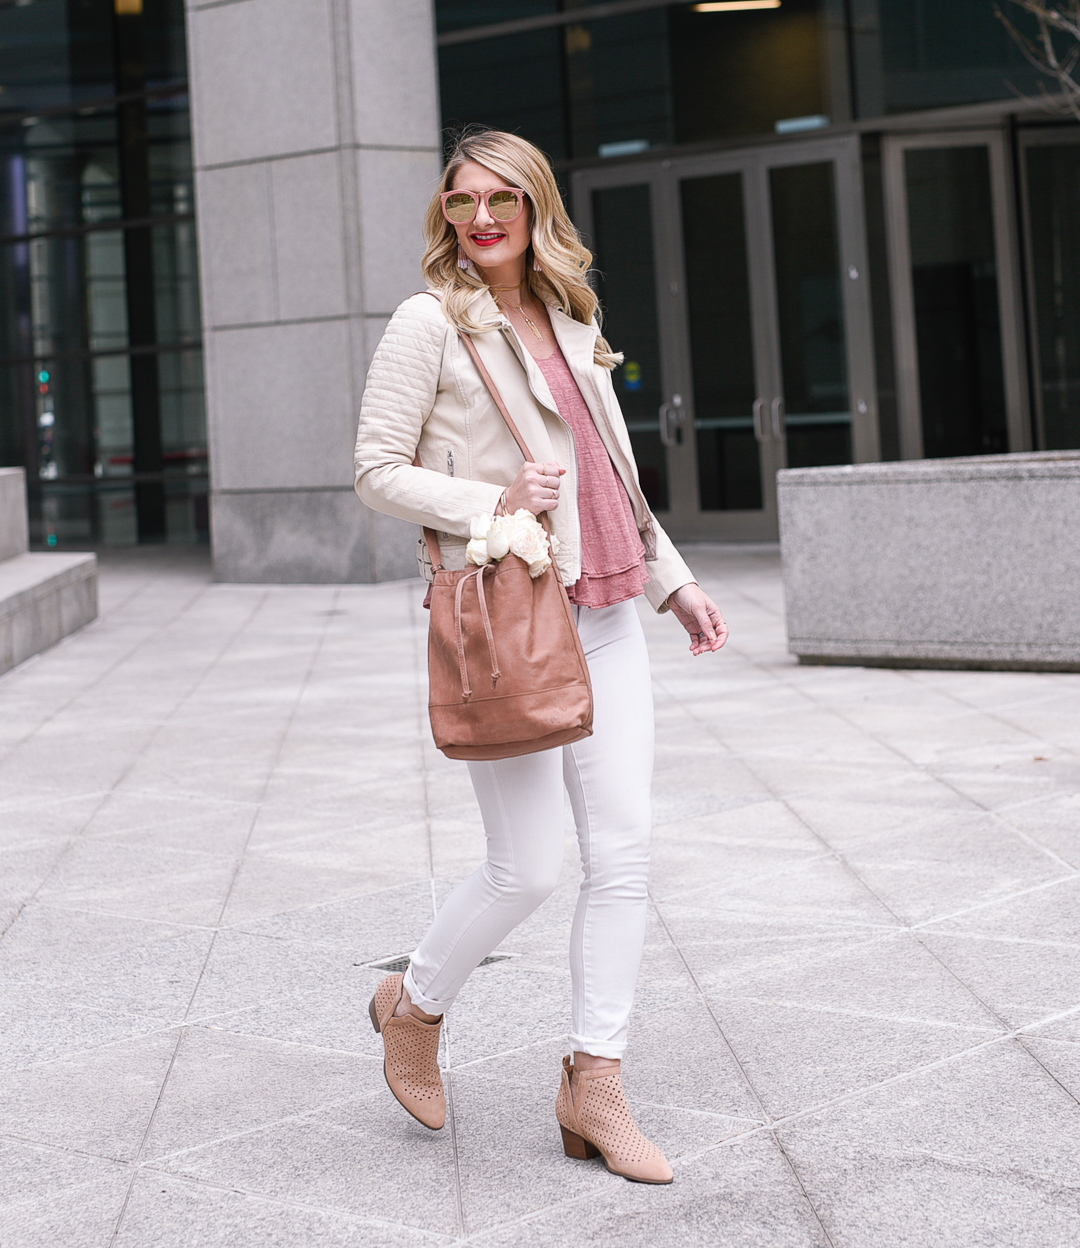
(667, 571)
(402, 384)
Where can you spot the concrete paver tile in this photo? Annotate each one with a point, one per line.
(804, 889)
(984, 1150)
(269, 883)
(797, 1057)
(182, 822)
(1018, 955)
(142, 881)
(99, 1101)
(32, 820)
(153, 979)
(743, 1193)
(180, 1213)
(1052, 820)
(47, 937)
(370, 926)
(224, 1086)
(244, 970)
(889, 975)
(349, 1158)
(948, 863)
(41, 1024)
(678, 866)
(49, 1196)
(1061, 1058)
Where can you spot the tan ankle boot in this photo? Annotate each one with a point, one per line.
(596, 1120)
(411, 1064)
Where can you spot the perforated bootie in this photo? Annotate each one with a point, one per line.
(411, 1063)
(595, 1120)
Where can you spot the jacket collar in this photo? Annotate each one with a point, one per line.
(576, 341)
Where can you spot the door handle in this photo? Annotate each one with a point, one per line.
(778, 419)
(759, 420)
(671, 418)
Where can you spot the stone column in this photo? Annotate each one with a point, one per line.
(316, 148)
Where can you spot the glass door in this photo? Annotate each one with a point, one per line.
(1051, 191)
(961, 384)
(735, 284)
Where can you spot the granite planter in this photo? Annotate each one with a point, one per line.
(43, 597)
(969, 562)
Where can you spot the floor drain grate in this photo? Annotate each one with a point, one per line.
(394, 965)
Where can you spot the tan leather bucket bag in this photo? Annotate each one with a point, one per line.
(507, 674)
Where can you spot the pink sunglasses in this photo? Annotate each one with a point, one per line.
(504, 204)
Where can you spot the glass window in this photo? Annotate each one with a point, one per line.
(101, 392)
(940, 52)
(955, 287)
(513, 83)
(1053, 194)
(718, 296)
(811, 315)
(618, 84)
(739, 73)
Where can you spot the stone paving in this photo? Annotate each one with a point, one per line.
(858, 1020)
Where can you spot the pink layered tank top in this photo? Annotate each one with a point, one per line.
(612, 556)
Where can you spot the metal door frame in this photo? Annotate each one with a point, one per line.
(663, 176)
(1056, 136)
(1006, 259)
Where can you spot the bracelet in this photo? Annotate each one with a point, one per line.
(502, 504)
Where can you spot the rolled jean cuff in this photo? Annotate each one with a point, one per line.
(598, 1048)
(419, 1000)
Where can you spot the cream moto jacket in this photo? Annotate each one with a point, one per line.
(424, 392)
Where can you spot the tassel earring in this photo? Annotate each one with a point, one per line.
(536, 264)
(463, 261)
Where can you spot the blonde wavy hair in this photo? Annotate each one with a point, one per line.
(564, 258)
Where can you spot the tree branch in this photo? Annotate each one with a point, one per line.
(1042, 52)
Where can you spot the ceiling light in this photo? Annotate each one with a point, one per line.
(734, 6)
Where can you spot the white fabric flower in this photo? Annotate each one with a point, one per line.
(478, 527)
(477, 552)
(498, 539)
(494, 537)
(529, 544)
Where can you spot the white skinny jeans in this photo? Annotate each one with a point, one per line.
(609, 779)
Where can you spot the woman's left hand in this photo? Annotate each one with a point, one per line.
(701, 618)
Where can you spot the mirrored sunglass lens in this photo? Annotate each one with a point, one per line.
(503, 205)
(460, 207)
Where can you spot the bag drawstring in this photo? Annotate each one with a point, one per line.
(478, 577)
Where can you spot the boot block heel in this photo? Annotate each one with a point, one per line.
(577, 1146)
(373, 1016)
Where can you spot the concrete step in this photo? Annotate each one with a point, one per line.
(43, 598)
(14, 539)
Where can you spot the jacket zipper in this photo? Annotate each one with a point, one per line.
(450, 463)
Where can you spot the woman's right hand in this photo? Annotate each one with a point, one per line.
(536, 488)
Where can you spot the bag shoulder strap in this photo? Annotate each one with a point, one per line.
(429, 534)
(492, 389)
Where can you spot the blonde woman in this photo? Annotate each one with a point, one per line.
(509, 269)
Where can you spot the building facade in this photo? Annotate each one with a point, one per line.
(827, 231)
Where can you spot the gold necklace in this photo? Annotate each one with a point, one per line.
(516, 307)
